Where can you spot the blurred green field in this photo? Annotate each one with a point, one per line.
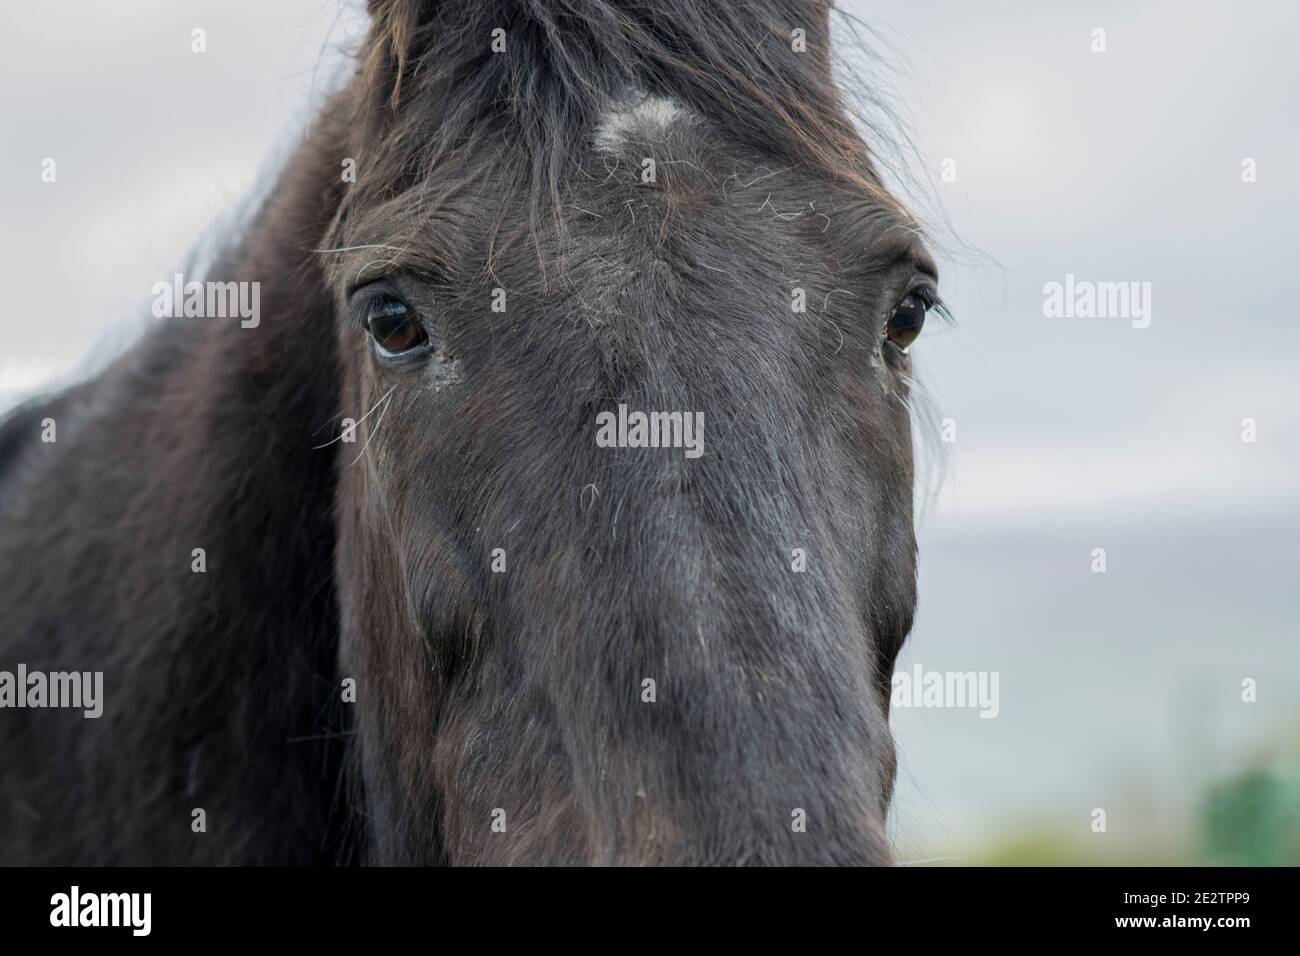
(1247, 818)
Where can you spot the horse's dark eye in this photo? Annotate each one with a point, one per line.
(905, 322)
(393, 327)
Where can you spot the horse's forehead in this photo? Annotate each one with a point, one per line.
(637, 117)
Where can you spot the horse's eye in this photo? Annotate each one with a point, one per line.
(906, 320)
(393, 327)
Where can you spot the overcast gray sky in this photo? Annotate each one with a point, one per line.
(1071, 433)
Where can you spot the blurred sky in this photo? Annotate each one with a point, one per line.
(1118, 690)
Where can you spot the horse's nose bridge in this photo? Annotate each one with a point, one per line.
(751, 671)
(717, 592)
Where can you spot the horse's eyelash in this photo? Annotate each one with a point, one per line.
(928, 294)
(940, 308)
(365, 302)
(934, 303)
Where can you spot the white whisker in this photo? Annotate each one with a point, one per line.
(372, 262)
(932, 859)
(374, 431)
(357, 422)
(353, 248)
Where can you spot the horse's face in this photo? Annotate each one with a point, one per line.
(573, 652)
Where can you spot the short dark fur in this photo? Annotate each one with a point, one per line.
(479, 691)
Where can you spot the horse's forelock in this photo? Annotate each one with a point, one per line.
(430, 83)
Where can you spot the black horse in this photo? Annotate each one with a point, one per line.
(555, 506)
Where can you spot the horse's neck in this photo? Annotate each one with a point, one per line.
(178, 535)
